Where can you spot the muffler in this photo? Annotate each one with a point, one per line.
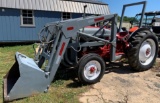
(24, 79)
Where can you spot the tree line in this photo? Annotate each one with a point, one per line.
(126, 19)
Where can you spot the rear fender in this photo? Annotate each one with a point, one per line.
(135, 32)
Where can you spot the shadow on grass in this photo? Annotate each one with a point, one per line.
(68, 74)
(14, 101)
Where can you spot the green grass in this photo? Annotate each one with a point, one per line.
(60, 91)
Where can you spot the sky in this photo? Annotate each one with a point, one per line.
(116, 6)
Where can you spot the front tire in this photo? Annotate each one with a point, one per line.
(143, 51)
(91, 68)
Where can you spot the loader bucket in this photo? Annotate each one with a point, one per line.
(24, 79)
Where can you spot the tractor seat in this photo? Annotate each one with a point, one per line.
(156, 25)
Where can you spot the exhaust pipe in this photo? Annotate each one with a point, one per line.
(24, 79)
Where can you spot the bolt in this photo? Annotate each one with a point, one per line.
(47, 74)
(46, 90)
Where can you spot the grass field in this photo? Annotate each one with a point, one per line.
(62, 90)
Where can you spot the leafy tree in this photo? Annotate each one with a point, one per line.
(125, 18)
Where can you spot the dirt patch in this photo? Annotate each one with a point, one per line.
(122, 85)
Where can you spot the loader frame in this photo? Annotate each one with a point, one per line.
(133, 4)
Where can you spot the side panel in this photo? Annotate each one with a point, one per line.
(12, 31)
(9, 24)
(77, 15)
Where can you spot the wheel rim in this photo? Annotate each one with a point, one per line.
(147, 51)
(92, 70)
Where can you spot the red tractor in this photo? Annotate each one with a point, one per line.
(140, 47)
(77, 45)
(150, 20)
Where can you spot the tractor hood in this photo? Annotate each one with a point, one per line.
(91, 30)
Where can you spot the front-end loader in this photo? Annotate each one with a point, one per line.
(76, 44)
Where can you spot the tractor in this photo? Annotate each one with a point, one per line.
(76, 44)
(151, 20)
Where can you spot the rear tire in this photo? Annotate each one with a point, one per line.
(143, 51)
(91, 68)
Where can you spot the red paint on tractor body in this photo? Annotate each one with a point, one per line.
(70, 28)
(98, 19)
(133, 29)
(121, 46)
(62, 48)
